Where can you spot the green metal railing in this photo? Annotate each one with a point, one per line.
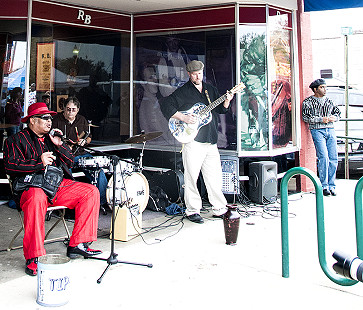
(359, 217)
(329, 272)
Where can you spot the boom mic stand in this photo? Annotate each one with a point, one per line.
(112, 259)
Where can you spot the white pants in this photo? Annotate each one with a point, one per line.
(203, 157)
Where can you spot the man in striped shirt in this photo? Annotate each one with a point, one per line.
(320, 113)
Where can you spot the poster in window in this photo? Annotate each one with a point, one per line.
(45, 67)
(280, 81)
(254, 107)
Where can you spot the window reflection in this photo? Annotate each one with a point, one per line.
(161, 62)
(12, 76)
(92, 65)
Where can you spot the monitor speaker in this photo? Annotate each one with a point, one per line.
(263, 182)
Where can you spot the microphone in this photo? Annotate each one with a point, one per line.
(55, 133)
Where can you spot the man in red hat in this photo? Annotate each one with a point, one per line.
(30, 151)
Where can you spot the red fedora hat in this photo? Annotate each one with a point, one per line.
(37, 108)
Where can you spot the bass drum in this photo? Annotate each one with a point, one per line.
(131, 190)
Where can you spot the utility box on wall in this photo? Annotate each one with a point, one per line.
(263, 182)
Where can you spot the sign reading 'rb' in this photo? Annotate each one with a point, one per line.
(85, 17)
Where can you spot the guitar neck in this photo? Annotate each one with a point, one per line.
(214, 104)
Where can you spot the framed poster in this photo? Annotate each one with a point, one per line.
(45, 67)
(61, 99)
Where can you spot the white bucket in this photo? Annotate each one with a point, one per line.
(53, 280)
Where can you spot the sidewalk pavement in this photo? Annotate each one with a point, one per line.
(193, 268)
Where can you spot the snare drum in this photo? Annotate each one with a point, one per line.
(125, 166)
(94, 162)
(136, 193)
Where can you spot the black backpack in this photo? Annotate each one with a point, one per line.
(158, 199)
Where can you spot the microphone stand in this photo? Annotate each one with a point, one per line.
(112, 259)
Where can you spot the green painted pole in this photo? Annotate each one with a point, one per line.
(330, 273)
(359, 217)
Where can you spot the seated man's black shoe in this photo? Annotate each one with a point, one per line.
(326, 192)
(196, 218)
(31, 266)
(81, 249)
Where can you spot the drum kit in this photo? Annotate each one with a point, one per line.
(132, 187)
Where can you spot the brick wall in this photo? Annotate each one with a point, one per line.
(307, 153)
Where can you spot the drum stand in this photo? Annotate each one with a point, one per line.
(112, 259)
(141, 156)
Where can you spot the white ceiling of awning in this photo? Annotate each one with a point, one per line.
(138, 6)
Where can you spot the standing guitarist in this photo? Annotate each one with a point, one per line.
(201, 154)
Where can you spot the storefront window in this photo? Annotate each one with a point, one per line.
(254, 122)
(92, 65)
(12, 74)
(266, 119)
(160, 69)
(280, 87)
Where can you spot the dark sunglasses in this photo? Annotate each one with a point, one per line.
(44, 117)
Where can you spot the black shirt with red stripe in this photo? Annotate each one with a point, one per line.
(22, 153)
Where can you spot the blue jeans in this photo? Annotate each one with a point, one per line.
(101, 179)
(325, 143)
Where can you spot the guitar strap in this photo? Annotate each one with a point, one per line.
(206, 93)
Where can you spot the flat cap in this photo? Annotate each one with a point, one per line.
(194, 65)
(317, 83)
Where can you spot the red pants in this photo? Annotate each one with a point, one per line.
(82, 197)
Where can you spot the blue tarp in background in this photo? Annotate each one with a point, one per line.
(16, 79)
(324, 5)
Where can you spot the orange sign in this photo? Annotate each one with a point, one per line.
(45, 67)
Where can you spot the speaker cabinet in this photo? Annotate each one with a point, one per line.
(263, 182)
(171, 181)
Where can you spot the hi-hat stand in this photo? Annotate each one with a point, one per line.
(112, 259)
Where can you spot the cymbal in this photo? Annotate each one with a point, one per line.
(91, 125)
(144, 137)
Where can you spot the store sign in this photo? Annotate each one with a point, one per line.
(84, 17)
(68, 14)
(45, 65)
